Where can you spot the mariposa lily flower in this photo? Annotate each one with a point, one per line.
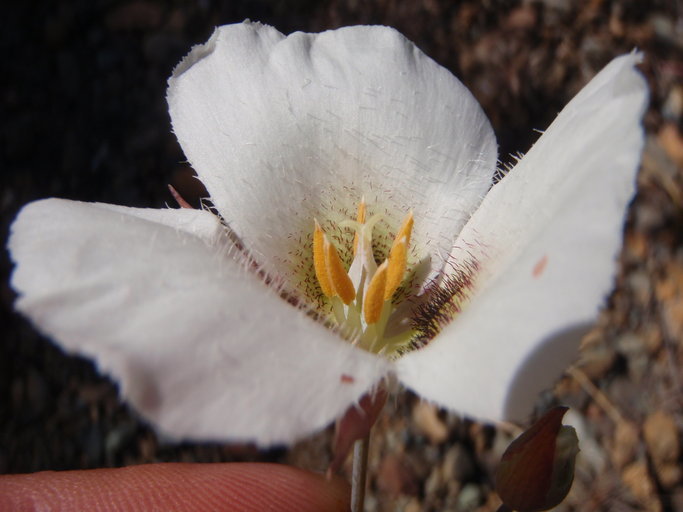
(354, 238)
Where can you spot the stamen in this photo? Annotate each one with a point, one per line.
(339, 279)
(319, 261)
(360, 299)
(178, 198)
(374, 296)
(406, 229)
(360, 218)
(396, 268)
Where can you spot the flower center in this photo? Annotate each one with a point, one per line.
(361, 299)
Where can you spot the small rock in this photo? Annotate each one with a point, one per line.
(426, 418)
(630, 344)
(672, 142)
(637, 246)
(672, 109)
(638, 481)
(669, 292)
(470, 498)
(661, 437)
(522, 18)
(669, 475)
(625, 444)
(596, 361)
(653, 338)
(665, 28)
(649, 216)
(640, 282)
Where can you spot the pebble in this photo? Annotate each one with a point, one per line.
(596, 361)
(669, 475)
(637, 245)
(640, 283)
(669, 292)
(661, 437)
(470, 498)
(665, 28)
(652, 336)
(626, 442)
(522, 18)
(672, 110)
(636, 477)
(671, 140)
(426, 418)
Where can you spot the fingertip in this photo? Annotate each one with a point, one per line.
(242, 487)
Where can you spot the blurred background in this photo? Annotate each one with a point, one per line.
(83, 116)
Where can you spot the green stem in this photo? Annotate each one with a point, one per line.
(359, 474)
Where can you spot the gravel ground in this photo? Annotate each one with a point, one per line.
(84, 117)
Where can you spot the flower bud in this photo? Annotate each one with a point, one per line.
(537, 470)
(356, 424)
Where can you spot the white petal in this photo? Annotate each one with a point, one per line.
(546, 240)
(199, 345)
(285, 129)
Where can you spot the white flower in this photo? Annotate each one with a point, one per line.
(218, 328)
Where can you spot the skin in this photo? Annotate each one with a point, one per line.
(239, 487)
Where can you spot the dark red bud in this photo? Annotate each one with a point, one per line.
(537, 470)
(356, 424)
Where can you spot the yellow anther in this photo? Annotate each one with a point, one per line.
(374, 296)
(406, 229)
(319, 261)
(396, 268)
(360, 218)
(339, 279)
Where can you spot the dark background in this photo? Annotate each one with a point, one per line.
(83, 116)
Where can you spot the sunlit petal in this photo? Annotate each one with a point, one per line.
(282, 130)
(544, 243)
(199, 345)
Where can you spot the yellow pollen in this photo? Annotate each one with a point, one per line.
(339, 279)
(360, 218)
(396, 267)
(319, 263)
(374, 296)
(406, 229)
